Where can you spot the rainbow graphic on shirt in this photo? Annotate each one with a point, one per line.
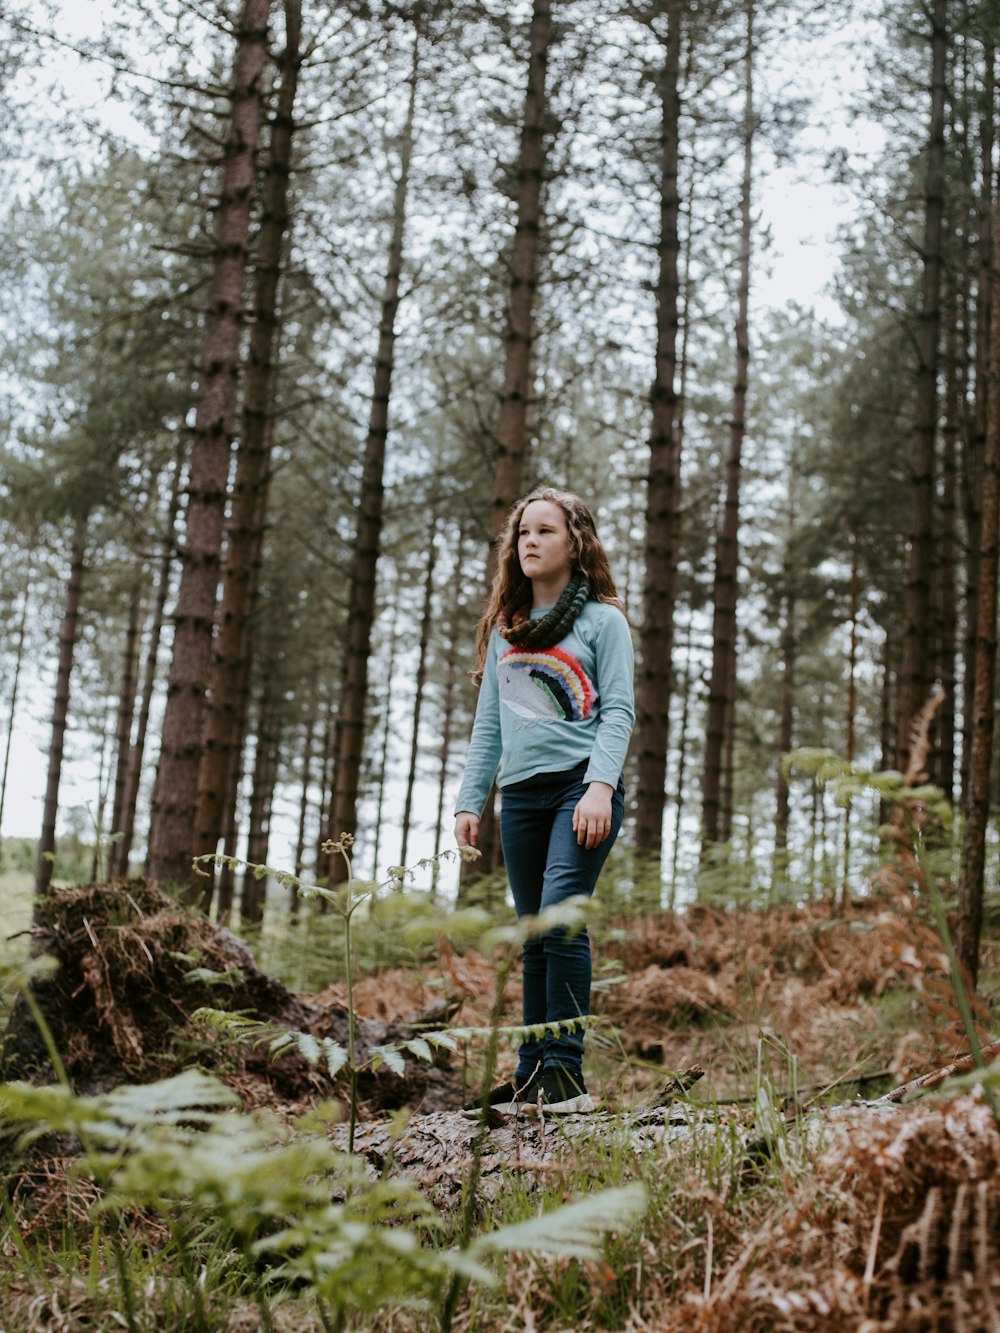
(549, 684)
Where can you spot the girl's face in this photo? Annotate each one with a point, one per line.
(543, 545)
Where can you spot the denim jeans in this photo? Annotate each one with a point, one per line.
(545, 865)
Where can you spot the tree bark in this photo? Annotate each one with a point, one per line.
(18, 659)
(721, 692)
(418, 700)
(300, 837)
(222, 723)
(126, 712)
(516, 393)
(327, 752)
(852, 710)
(103, 783)
(60, 710)
(368, 534)
(265, 775)
(386, 735)
(230, 826)
(914, 675)
(448, 703)
(972, 474)
(786, 715)
(180, 756)
(122, 849)
(943, 758)
(970, 888)
(663, 488)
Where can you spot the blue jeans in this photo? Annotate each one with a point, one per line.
(546, 865)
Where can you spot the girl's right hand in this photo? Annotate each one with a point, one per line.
(466, 829)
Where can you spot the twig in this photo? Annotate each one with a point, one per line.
(962, 1065)
(873, 1245)
(709, 1245)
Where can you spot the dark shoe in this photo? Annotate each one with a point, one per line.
(508, 1096)
(561, 1093)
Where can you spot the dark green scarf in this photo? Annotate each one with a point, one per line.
(514, 623)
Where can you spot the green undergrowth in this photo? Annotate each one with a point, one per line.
(182, 1212)
(174, 1206)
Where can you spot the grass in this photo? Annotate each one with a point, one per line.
(745, 1217)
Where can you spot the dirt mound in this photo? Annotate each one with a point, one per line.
(134, 966)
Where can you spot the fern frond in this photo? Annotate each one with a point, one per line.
(573, 1231)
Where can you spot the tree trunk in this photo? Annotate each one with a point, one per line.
(970, 888)
(852, 710)
(368, 535)
(943, 758)
(222, 724)
(265, 775)
(126, 711)
(721, 693)
(60, 711)
(663, 489)
(300, 837)
(241, 712)
(418, 701)
(728, 754)
(18, 659)
(682, 745)
(914, 676)
(120, 854)
(230, 826)
(972, 472)
(386, 735)
(515, 395)
(327, 752)
(786, 714)
(448, 704)
(103, 783)
(180, 754)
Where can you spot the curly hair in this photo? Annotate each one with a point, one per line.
(512, 588)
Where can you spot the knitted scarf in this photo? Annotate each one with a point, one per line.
(514, 623)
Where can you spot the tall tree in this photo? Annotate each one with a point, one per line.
(914, 677)
(181, 744)
(972, 470)
(137, 751)
(663, 484)
(219, 769)
(970, 888)
(426, 621)
(517, 390)
(126, 708)
(18, 660)
(722, 685)
(343, 816)
(68, 632)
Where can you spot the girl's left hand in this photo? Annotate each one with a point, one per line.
(592, 816)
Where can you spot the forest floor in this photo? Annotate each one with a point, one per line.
(776, 1195)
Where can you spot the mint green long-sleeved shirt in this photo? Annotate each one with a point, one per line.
(550, 709)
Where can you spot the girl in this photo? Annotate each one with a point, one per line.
(555, 713)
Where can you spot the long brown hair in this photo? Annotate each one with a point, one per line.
(511, 587)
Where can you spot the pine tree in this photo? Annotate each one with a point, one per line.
(180, 752)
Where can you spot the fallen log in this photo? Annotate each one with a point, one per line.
(437, 1151)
